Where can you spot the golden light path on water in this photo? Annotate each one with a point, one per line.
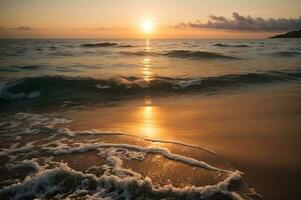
(146, 63)
(148, 110)
(147, 45)
(148, 114)
(146, 69)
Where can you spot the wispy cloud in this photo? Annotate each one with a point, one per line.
(239, 22)
(23, 28)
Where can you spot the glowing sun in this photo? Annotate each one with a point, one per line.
(147, 26)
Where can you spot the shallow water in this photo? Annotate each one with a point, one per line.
(57, 95)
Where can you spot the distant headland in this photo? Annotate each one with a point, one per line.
(292, 34)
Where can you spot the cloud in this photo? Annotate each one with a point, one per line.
(239, 22)
(23, 28)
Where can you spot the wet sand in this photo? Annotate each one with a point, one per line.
(257, 130)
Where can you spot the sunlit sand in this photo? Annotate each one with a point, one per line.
(246, 131)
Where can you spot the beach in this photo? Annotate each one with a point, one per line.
(261, 139)
(173, 119)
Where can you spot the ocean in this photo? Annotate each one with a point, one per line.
(69, 126)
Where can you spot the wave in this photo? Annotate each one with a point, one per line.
(139, 53)
(105, 44)
(65, 53)
(288, 53)
(126, 45)
(76, 89)
(197, 54)
(231, 45)
(182, 54)
(19, 68)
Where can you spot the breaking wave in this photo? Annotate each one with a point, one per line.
(61, 88)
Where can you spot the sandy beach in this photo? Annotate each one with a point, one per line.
(257, 131)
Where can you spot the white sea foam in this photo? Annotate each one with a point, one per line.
(115, 177)
(49, 181)
(25, 163)
(100, 132)
(13, 148)
(187, 83)
(36, 119)
(99, 86)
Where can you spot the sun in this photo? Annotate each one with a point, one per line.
(147, 26)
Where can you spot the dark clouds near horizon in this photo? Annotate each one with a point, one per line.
(23, 28)
(239, 22)
(19, 28)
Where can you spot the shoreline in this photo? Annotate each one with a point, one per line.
(232, 125)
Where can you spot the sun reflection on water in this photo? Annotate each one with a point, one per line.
(146, 71)
(147, 45)
(148, 116)
(148, 111)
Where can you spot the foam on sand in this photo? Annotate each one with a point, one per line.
(47, 176)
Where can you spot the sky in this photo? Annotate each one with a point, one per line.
(171, 18)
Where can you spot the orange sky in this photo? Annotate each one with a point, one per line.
(121, 19)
